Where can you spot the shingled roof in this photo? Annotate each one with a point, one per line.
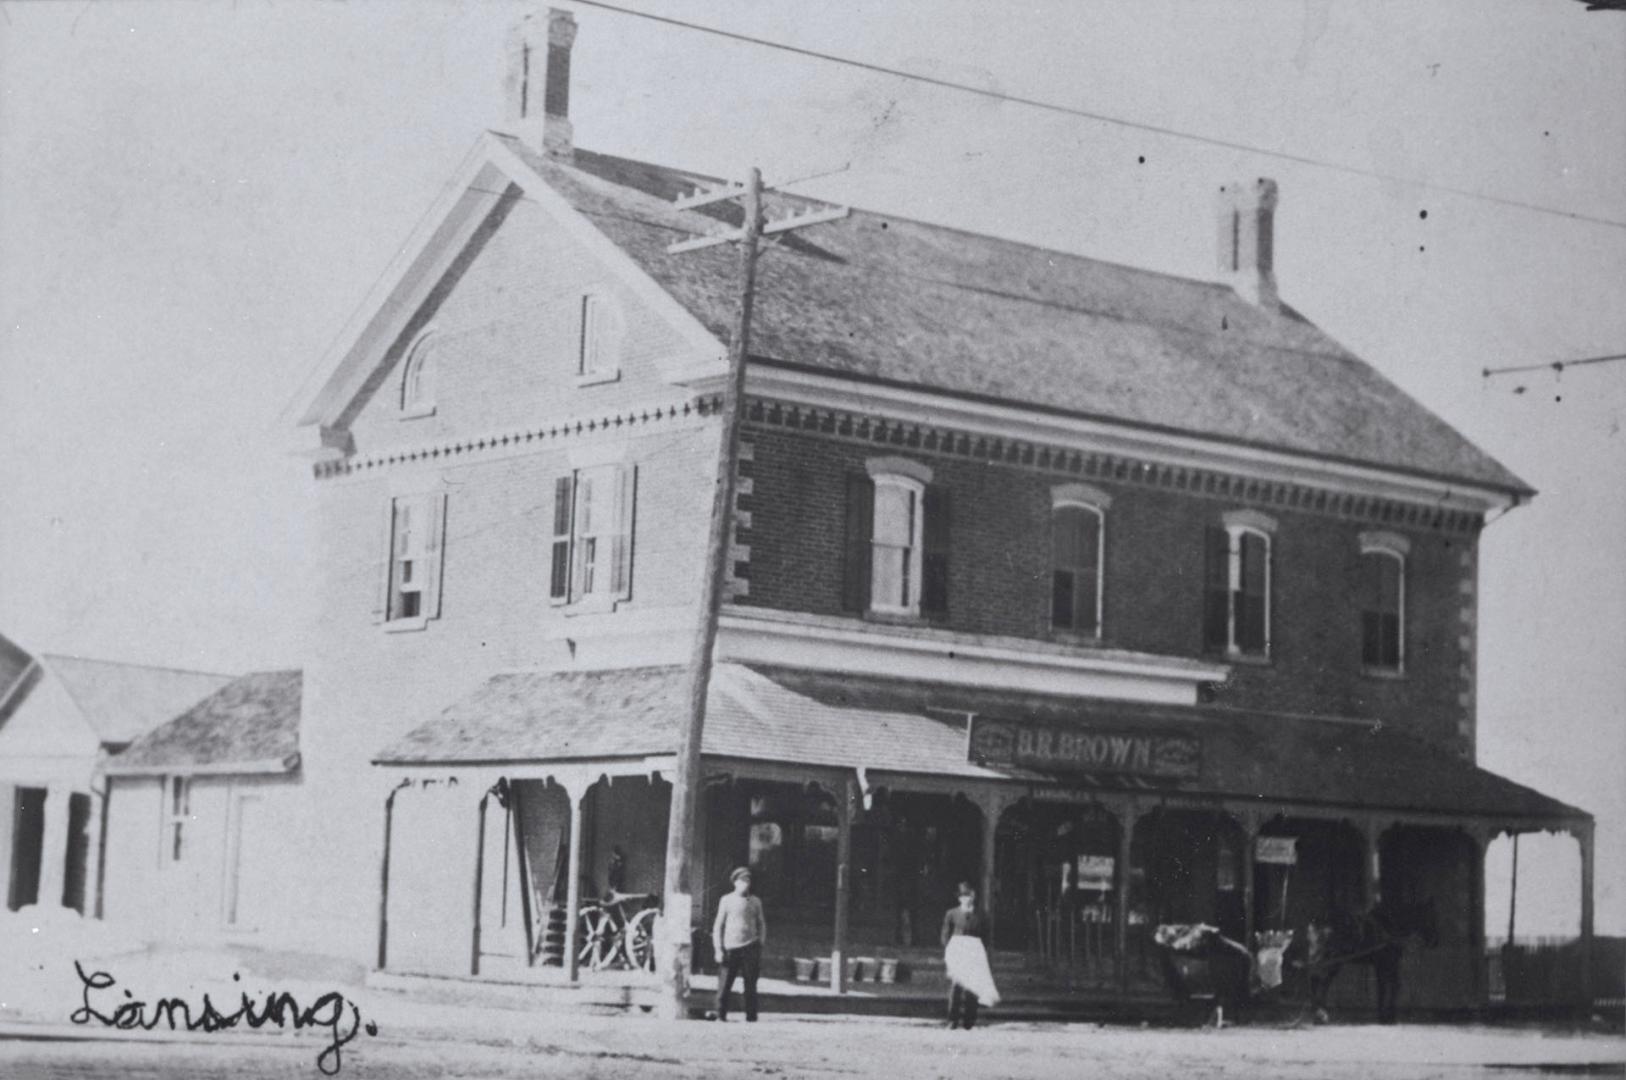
(250, 725)
(562, 716)
(900, 302)
(819, 719)
(552, 716)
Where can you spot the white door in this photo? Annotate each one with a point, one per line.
(252, 883)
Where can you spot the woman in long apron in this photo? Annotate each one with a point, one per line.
(965, 929)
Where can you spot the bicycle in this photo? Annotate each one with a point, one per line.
(610, 937)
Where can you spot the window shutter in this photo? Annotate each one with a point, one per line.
(435, 552)
(860, 531)
(1252, 594)
(1089, 600)
(626, 481)
(935, 556)
(1371, 638)
(1216, 589)
(559, 573)
(386, 550)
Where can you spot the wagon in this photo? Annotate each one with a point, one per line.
(1203, 966)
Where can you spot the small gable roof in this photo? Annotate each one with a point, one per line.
(15, 664)
(250, 725)
(121, 701)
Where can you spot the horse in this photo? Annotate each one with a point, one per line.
(1376, 937)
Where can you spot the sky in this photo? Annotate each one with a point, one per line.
(195, 197)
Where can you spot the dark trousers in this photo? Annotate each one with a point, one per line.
(962, 1007)
(744, 961)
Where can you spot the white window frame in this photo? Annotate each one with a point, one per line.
(1398, 548)
(1240, 523)
(174, 820)
(1097, 502)
(599, 558)
(908, 479)
(418, 399)
(409, 558)
(426, 517)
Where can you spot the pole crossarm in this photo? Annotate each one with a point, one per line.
(766, 227)
(810, 217)
(698, 242)
(698, 198)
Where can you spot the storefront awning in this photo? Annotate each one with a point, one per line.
(806, 718)
(1213, 751)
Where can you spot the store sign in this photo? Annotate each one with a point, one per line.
(1095, 871)
(1276, 850)
(1062, 748)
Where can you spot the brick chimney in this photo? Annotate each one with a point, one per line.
(537, 85)
(1247, 234)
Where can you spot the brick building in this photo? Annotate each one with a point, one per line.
(1131, 598)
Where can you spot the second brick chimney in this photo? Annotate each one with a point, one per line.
(537, 84)
(1247, 235)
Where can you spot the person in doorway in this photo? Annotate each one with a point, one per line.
(615, 873)
(965, 929)
(738, 935)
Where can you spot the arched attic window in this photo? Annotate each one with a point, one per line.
(1077, 558)
(418, 377)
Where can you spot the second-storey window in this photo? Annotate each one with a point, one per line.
(1236, 618)
(415, 530)
(895, 545)
(591, 554)
(897, 540)
(1383, 601)
(1077, 528)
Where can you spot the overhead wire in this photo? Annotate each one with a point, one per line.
(1558, 366)
(1104, 118)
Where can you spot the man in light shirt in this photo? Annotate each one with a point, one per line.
(738, 935)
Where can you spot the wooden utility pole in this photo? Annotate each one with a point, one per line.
(678, 906)
(679, 899)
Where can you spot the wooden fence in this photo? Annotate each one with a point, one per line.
(1547, 971)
